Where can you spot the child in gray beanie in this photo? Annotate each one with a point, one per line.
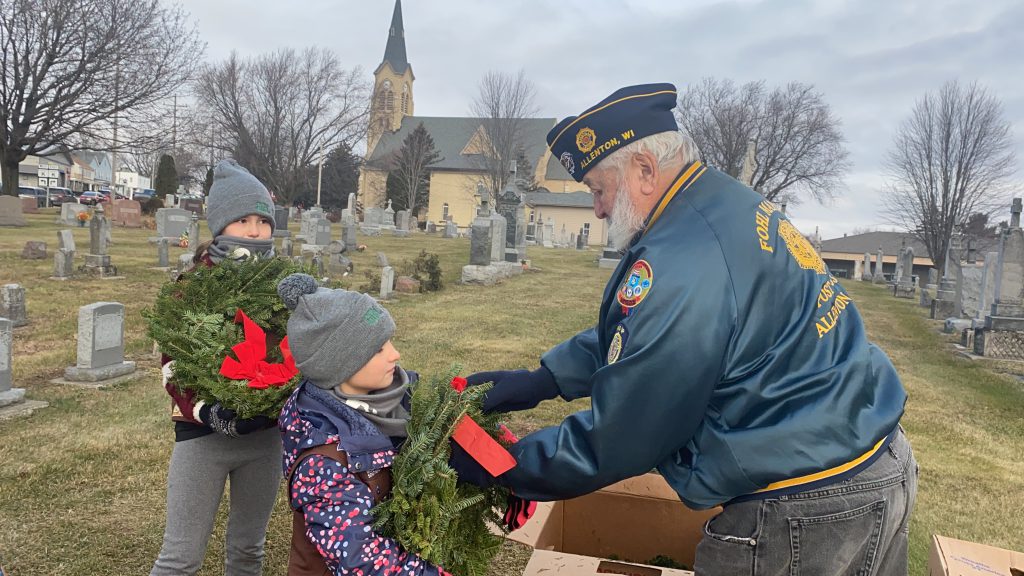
(239, 213)
(341, 430)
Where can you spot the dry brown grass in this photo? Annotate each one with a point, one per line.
(82, 483)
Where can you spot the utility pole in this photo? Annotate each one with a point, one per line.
(320, 174)
(113, 159)
(174, 127)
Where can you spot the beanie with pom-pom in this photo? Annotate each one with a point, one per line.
(332, 333)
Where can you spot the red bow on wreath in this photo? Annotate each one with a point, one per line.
(252, 362)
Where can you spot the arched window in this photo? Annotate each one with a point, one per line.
(405, 99)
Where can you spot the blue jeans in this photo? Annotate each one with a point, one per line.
(856, 527)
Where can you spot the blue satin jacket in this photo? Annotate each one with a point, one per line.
(726, 356)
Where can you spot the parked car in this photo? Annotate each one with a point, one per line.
(60, 195)
(32, 192)
(92, 197)
(144, 195)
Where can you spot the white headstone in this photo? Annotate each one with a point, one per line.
(100, 344)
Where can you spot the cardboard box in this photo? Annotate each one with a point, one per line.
(951, 557)
(614, 530)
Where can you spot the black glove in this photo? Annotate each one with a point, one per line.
(515, 389)
(468, 469)
(225, 421)
(518, 512)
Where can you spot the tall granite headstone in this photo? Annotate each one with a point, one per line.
(8, 395)
(1003, 333)
(906, 287)
(100, 344)
(879, 277)
(12, 304)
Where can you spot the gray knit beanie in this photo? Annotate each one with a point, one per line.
(332, 333)
(235, 194)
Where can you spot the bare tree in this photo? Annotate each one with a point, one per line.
(798, 146)
(503, 103)
(950, 159)
(410, 169)
(72, 68)
(276, 112)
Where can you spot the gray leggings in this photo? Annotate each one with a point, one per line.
(195, 484)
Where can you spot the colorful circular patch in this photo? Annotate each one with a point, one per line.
(585, 140)
(636, 285)
(617, 344)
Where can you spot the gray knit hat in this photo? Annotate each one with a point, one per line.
(235, 194)
(332, 333)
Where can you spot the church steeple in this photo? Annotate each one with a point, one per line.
(392, 86)
(394, 52)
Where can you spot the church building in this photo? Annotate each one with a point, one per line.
(461, 143)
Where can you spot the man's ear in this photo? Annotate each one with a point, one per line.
(647, 172)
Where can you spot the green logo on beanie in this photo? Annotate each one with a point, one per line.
(262, 207)
(372, 315)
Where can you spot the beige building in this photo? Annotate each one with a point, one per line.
(460, 142)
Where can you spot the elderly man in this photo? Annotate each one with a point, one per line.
(725, 356)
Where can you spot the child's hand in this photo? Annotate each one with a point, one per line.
(518, 512)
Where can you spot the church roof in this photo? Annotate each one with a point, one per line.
(452, 134)
(394, 52)
(890, 243)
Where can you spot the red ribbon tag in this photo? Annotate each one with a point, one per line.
(484, 449)
(252, 362)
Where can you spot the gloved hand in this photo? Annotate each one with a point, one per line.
(166, 373)
(518, 512)
(515, 389)
(225, 421)
(468, 469)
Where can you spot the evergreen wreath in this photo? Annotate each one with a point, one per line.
(428, 512)
(194, 322)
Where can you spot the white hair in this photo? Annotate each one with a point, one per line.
(672, 149)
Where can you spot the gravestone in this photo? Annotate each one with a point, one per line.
(322, 232)
(12, 304)
(169, 201)
(407, 285)
(930, 288)
(10, 211)
(287, 247)
(609, 257)
(64, 257)
(337, 262)
(879, 277)
(581, 240)
(1003, 333)
(350, 208)
(549, 233)
(512, 208)
(382, 259)
(372, 217)
(451, 230)
(387, 282)
(402, 222)
(69, 214)
(946, 303)
(100, 344)
(979, 287)
(498, 234)
(193, 231)
(8, 395)
(34, 250)
(97, 261)
(388, 217)
(348, 232)
(281, 222)
(431, 227)
(906, 287)
(162, 258)
(865, 272)
(66, 240)
(29, 206)
(481, 241)
(193, 205)
(126, 213)
(172, 222)
(185, 261)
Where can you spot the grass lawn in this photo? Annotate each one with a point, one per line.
(82, 483)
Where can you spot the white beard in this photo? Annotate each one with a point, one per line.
(624, 221)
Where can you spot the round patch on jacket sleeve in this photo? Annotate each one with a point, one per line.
(617, 344)
(636, 285)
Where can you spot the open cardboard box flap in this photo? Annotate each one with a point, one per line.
(951, 557)
(632, 521)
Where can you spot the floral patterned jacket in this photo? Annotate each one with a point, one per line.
(334, 501)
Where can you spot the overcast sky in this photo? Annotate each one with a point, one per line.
(870, 58)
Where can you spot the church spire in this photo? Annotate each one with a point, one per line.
(394, 52)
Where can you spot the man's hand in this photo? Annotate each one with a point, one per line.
(515, 389)
(468, 469)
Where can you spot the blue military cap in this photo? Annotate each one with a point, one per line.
(630, 113)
